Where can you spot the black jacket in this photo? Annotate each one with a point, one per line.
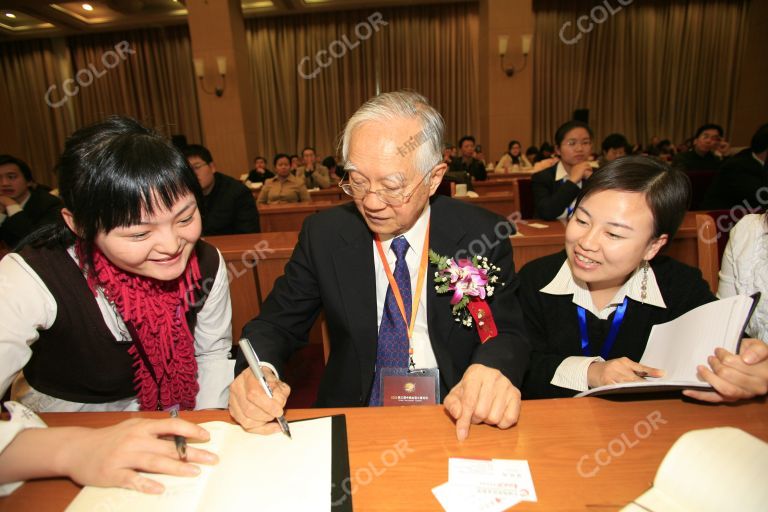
(550, 197)
(738, 182)
(41, 209)
(229, 209)
(332, 268)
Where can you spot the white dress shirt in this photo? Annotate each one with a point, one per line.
(423, 355)
(572, 372)
(21, 419)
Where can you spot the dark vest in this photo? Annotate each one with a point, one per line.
(78, 358)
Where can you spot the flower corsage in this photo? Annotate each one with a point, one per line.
(472, 282)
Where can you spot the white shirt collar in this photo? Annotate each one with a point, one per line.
(758, 159)
(414, 236)
(565, 283)
(560, 172)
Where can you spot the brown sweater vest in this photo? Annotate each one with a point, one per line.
(77, 358)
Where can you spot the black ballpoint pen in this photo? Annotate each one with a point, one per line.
(179, 441)
(255, 365)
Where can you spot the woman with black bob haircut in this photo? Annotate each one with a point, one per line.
(120, 307)
(610, 286)
(556, 187)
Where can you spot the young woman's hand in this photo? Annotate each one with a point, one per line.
(735, 377)
(618, 370)
(113, 456)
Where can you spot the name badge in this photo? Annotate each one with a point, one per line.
(400, 386)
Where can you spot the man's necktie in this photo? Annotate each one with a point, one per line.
(392, 348)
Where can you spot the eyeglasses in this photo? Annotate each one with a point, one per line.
(199, 166)
(573, 142)
(389, 196)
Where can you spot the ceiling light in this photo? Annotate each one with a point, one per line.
(87, 7)
(10, 15)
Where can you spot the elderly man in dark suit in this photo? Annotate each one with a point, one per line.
(22, 209)
(341, 265)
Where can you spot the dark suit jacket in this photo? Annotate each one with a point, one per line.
(229, 209)
(41, 209)
(475, 168)
(550, 197)
(737, 183)
(332, 268)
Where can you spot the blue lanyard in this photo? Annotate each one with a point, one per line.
(570, 208)
(618, 317)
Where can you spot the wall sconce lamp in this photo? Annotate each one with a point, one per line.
(503, 42)
(221, 63)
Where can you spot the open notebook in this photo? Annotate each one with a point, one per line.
(679, 346)
(254, 472)
(712, 470)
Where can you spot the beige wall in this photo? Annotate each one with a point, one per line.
(506, 103)
(750, 109)
(217, 29)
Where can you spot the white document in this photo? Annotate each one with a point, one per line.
(255, 472)
(711, 470)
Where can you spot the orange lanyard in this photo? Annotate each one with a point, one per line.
(419, 285)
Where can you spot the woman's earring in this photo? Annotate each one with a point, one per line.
(644, 282)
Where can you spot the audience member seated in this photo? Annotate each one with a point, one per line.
(295, 162)
(701, 156)
(23, 207)
(449, 153)
(466, 162)
(228, 207)
(665, 150)
(513, 157)
(609, 287)
(314, 175)
(335, 172)
(614, 146)
(555, 189)
(744, 269)
(260, 173)
(531, 153)
(284, 187)
(742, 179)
(546, 151)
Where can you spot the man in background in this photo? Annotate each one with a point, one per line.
(23, 209)
(228, 207)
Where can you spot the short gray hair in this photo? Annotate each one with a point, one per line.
(427, 145)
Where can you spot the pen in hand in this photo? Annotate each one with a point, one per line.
(179, 441)
(255, 365)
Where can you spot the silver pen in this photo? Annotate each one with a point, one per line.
(255, 365)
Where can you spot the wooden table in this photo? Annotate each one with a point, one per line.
(584, 454)
(290, 216)
(501, 203)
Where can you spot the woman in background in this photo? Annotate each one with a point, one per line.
(513, 157)
(284, 187)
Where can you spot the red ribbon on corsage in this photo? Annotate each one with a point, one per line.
(486, 325)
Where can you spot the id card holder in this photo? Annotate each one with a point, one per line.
(400, 386)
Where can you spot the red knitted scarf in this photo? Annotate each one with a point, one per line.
(156, 310)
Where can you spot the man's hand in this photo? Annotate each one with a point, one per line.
(483, 395)
(6, 201)
(735, 377)
(250, 406)
(622, 369)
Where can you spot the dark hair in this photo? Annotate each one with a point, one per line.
(512, 143)
(615, 141)
(465, 138)
(532, 150)
(279, 156)
(567, 127)
(291, 157)
(18, 162)
(260, 158)
(199, 151)
(760, 139)
(329, 162)
(667, 191)
(516, 160)
(110, 174)
(306, 148)
(709, 126)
